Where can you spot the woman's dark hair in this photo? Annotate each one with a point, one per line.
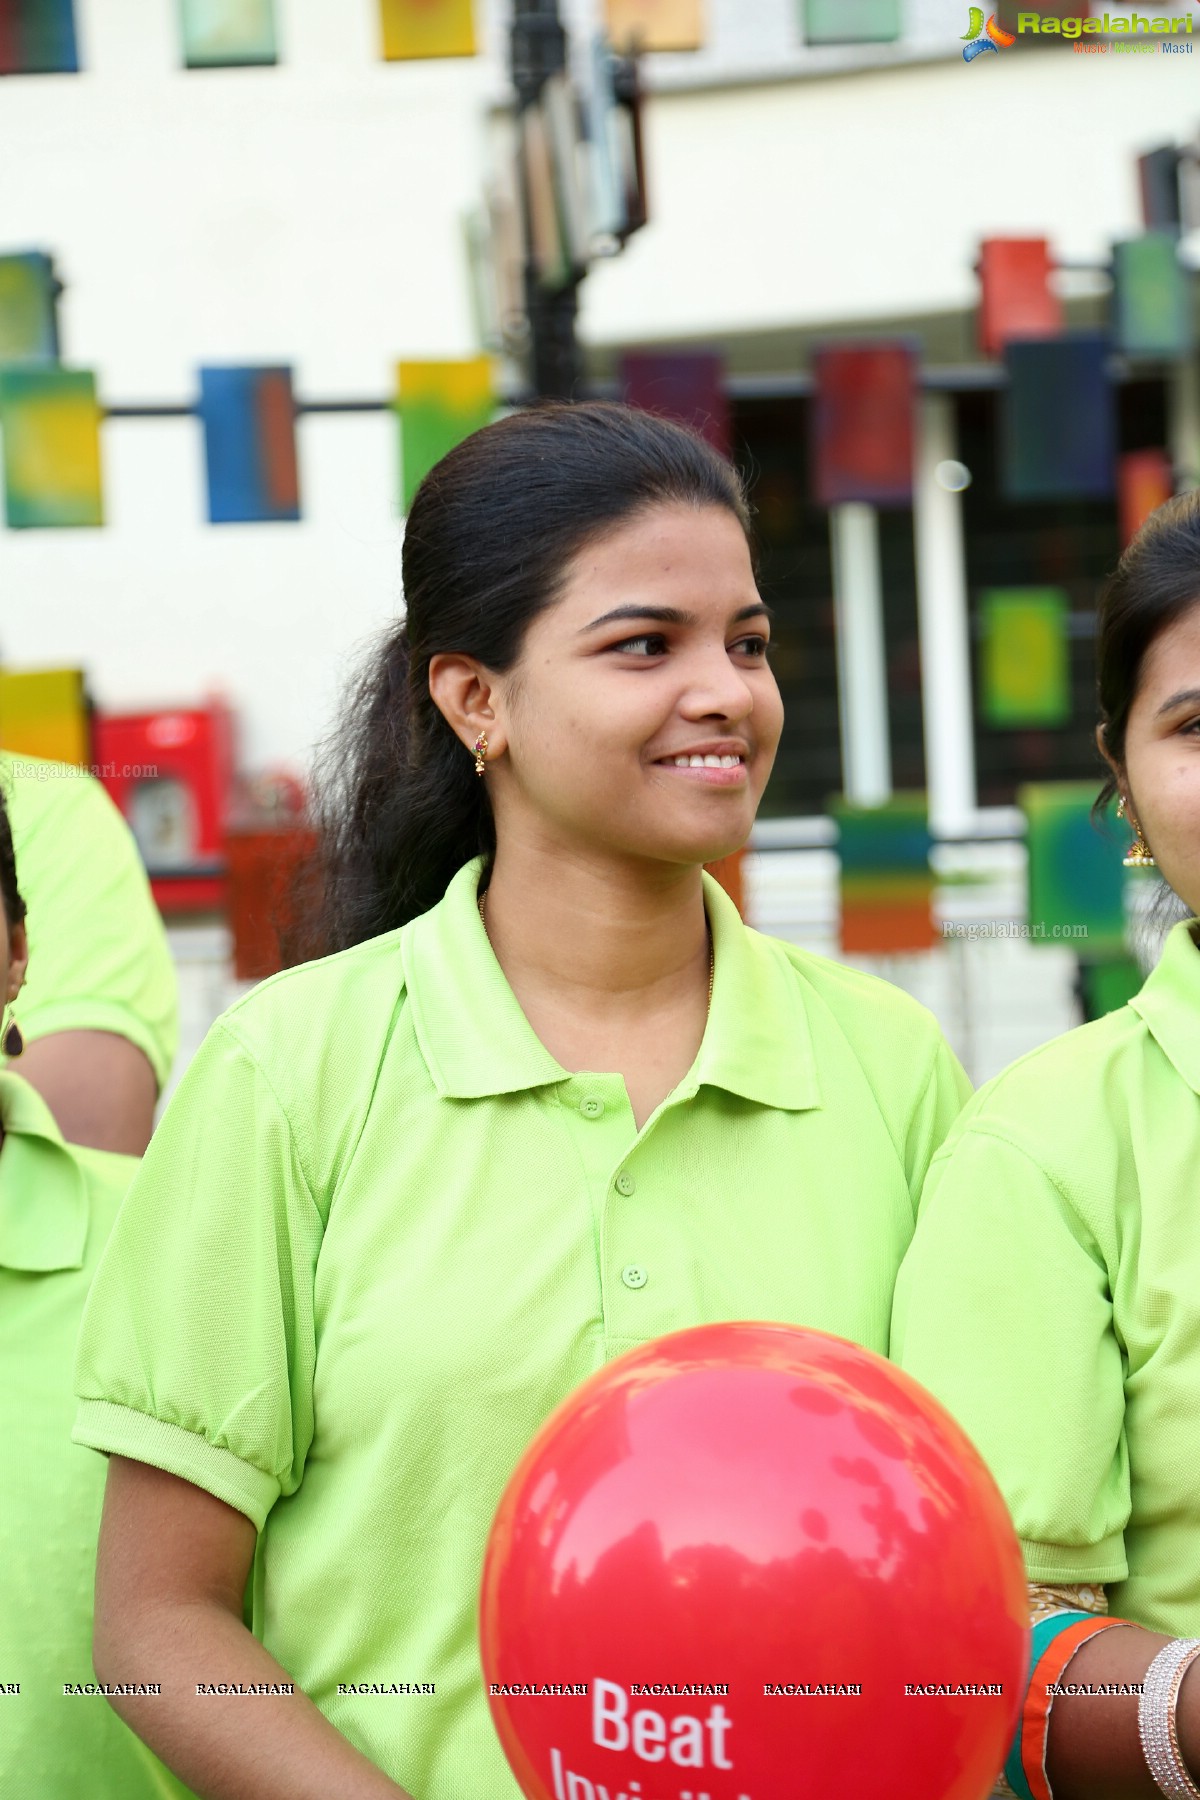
(1156, 581)
(14, 906)
(490, 536)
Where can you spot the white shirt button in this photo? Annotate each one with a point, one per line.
(634, 1276)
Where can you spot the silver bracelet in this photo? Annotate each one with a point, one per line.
(1157, 1703)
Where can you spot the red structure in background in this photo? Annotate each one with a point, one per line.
(171, 775)
(1145, 481)
(1016, 299)
(862, 422)
(688, 385)
(263, 867)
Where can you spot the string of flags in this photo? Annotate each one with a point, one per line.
(39, 37)
(51, 420)
(1057, 417)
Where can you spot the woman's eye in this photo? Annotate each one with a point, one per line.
(758, 647)
(651, 645)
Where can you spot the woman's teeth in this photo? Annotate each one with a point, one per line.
(707, 762)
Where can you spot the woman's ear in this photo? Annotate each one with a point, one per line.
(1118, 773)
(464, 692)
(18, 962)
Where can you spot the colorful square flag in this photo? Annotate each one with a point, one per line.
(687, 385)
(1160, 189)
(1016, 299)
(440, 404)
(886, 883)
(249, 420)
(1152, 298)
(654, 24)
(44, 712)
(851, 21)
(1025, 674)
(220, 34)
(1058, 420)
(862, 424)
(1076, 878)
(28, 315)
(1145, 481)
(37, 37)
(51, 425)
(421, 28)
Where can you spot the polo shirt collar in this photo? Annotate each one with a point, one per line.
(43, 1192)
(1169, 1001)
(476, 1041)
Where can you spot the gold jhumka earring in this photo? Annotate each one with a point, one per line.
(1139, 854)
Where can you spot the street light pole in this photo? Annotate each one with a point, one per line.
(539, 50)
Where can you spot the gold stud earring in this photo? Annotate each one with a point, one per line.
(481, 750)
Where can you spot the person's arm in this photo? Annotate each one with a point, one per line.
(170, 1576)
(1094, 1751)
(100, 1087)
(99, 1010)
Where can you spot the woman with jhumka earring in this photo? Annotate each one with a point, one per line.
(1051, 1297)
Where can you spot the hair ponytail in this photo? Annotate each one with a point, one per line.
(489, 540)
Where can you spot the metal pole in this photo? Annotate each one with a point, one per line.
(861, 654)
(942, 627)
(539, 50)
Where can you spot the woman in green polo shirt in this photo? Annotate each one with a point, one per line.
(1051, 1297)
(59, 1739)
(549, 1098)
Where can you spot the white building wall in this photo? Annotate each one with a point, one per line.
(311, 213)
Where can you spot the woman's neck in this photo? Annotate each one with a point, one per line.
(592, 933)
(609, 963)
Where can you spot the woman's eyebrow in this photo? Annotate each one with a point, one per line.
(671, 615)
(1185, 696)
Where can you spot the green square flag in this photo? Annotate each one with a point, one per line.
(850, 21)
(1024, 670)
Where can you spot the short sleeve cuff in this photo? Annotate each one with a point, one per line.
(122, 1431)
(1076, 1564)
(90, 1013)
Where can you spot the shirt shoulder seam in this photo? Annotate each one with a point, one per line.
(301, 1139)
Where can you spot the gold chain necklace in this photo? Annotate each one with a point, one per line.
(712, 961)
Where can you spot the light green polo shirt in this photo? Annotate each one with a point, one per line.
(1051, 1297)
(57, 1204)
(381, 1233)
(98, 956)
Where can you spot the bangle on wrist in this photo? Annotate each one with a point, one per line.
(1157, 1707)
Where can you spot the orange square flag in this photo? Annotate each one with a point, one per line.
(655, 24)
(425, 28)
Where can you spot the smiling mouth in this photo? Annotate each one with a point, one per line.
(705, 762)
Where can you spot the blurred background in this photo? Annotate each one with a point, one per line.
(928, 271)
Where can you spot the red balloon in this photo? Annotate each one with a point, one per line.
(751, 1562)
